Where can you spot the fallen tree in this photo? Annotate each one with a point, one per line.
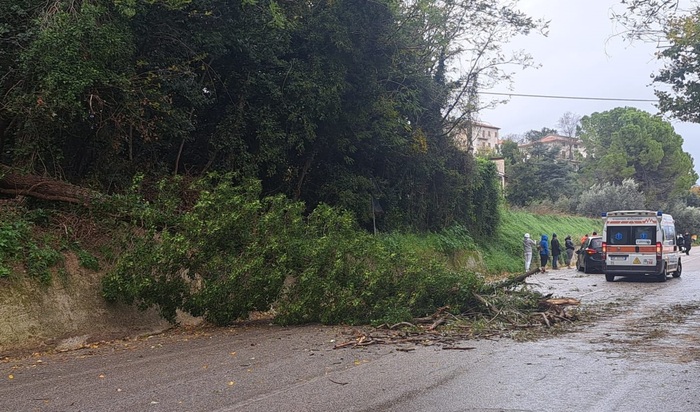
(13, 182)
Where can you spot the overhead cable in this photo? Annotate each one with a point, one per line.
(543, 96)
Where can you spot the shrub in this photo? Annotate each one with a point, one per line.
(233, 252)
(607, 196)
(13, 234)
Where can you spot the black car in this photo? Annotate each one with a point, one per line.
(590, 256)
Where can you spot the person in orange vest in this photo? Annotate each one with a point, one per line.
(584, 239)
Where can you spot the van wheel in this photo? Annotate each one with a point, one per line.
(663, 274)
(609, 277)
(679, 269)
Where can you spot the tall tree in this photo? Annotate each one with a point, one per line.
(540, 178)
(569, 123)
(675, 27)
(326, 102)
(511, 152)
(681, 69)
(535, 135)
(629, 143)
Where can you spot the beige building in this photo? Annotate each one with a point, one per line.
(484, 138)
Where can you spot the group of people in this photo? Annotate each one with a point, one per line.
(544, 247)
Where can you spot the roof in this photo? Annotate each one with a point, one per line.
(484, 124)
(553, 138)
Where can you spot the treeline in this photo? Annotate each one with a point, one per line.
(348, 103)
(629, 159)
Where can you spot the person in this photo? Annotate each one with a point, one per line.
(688, 243)
(584, 239)
(544, 252)
(569, 245)
(556, 251)
(680, 241)
(528, 243)
(595, 233)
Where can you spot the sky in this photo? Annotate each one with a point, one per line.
(581, 57)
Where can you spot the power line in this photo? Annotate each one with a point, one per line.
(543, 96)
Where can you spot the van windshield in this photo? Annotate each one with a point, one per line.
(631, 235)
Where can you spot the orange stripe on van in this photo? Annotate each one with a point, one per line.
(631, 249)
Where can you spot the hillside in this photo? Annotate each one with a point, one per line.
(69, 311)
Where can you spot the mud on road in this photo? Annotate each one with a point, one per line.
(636, 317)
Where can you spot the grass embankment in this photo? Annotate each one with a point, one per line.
(504, 253)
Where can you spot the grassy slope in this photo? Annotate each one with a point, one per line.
(504, 253)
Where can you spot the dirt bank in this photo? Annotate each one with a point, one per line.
(67, 314)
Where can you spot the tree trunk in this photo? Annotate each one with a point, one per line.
(14, 183)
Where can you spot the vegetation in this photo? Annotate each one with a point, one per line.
(231, 251)
(633, 160)
(609, 196)
(238, 154)
(626, 143)
(340, 103)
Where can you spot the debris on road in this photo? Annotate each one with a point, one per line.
(448, 330)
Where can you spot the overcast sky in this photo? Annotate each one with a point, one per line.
(581, 57)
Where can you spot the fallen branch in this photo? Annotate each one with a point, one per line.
(394, 326)
(510, 281)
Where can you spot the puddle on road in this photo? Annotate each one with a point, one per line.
(635, 320)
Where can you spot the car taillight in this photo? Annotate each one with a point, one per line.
(590, 251)
(658, 250)
(605, 250)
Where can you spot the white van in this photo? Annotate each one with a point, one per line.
(640, 242)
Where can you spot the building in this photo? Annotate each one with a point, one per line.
(483, 139)
(500, 163)
(570, 148)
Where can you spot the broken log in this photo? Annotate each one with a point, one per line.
(15, 183)
(510, 281)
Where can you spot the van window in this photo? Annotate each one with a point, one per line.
(669, 232)
(631, 235)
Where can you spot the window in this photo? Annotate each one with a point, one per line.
(596, 243)
(631, 235)
(669, 233)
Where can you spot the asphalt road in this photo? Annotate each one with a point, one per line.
(642, 355)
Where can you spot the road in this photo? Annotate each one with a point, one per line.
(643, 355)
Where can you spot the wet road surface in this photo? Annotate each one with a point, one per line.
(642, 354)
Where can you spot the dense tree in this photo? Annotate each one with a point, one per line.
(681, 69)
(626, 143)
(602, 197)
(16, 31)
(677, 30)
(325, 102)
(541, 177)
(535, 135)
(511, 152)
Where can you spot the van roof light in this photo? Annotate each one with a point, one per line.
(659, 213)
(604, 214)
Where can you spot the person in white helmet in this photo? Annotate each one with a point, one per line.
(527, 248)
